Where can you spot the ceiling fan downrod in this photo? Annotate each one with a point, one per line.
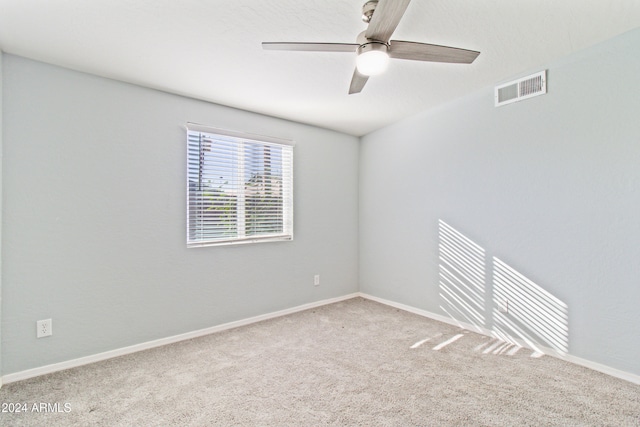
(367, 10)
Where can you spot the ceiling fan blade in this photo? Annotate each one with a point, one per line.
(430, 52)
(311, 47)
(357, 82)
(385, 19)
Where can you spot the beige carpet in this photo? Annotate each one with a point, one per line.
(349, 363)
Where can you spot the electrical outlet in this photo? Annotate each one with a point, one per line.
(316, 280)
(44, 328)
(504, 306)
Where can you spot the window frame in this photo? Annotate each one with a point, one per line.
(240, 139)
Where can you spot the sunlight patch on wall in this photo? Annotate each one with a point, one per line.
(501, 300)
(461, 276)
(532, 315)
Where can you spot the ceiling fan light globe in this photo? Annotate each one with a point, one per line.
(372, 59)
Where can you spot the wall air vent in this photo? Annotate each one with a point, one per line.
(517, 90)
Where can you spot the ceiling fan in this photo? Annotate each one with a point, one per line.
(374, 47)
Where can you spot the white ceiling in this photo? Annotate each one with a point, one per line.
(211, 49)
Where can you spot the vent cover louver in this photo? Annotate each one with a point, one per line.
(517, 90)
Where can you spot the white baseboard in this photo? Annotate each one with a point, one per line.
(627, 376)
(30, 373)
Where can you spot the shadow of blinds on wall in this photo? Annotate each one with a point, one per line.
(461, 275)
(535, 316)
(516, 309)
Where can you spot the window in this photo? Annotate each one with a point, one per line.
(240, 187)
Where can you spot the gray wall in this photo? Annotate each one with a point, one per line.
(1, 133)
(549, 186)
(94, 219)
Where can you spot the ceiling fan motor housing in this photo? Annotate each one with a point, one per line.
(372, 45)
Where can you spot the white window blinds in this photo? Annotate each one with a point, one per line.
(240, 187)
